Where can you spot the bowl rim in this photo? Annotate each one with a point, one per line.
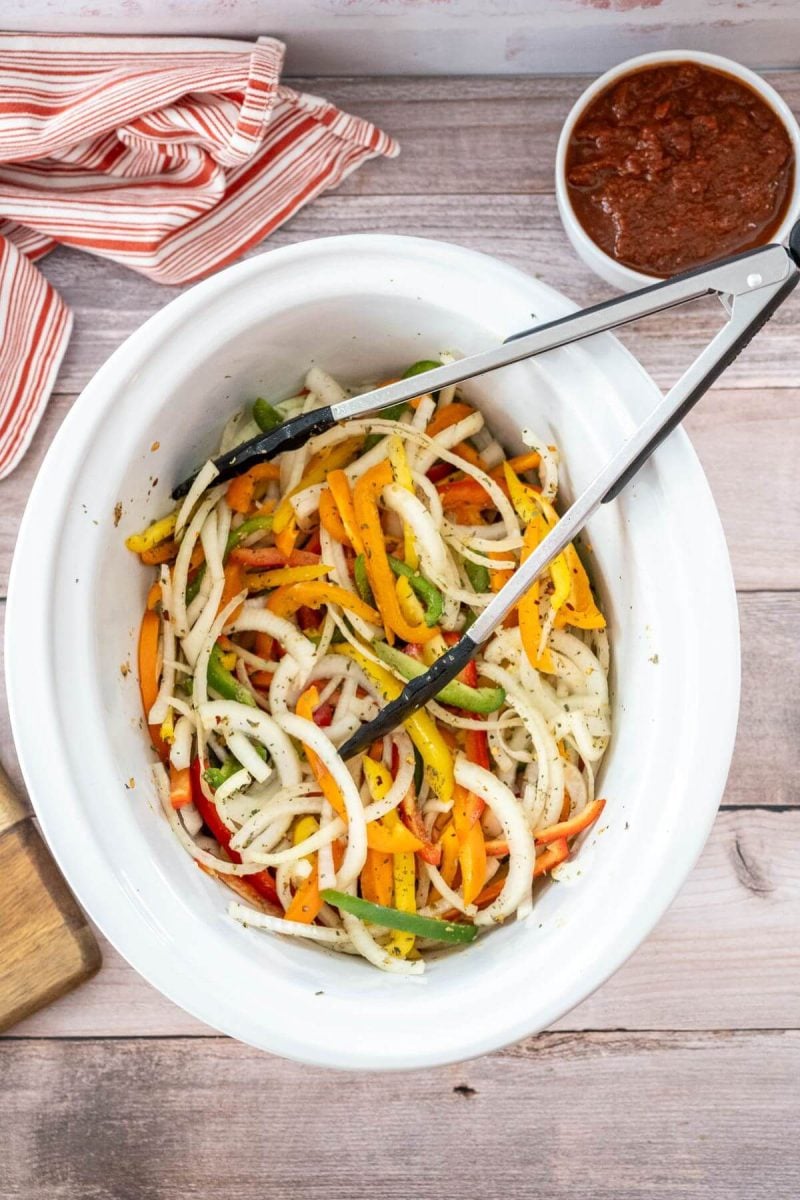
(41, 770)
(605, 264)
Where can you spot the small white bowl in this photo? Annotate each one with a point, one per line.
(363, 307)
(615, 273)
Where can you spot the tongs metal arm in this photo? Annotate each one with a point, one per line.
(727, 278)
(752, 286)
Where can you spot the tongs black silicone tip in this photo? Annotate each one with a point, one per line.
(291, 435)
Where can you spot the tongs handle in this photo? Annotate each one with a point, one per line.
(753, 286)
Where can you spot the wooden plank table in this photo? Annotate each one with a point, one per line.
(676, 1079)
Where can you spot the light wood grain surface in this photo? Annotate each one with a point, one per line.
(678, 1078)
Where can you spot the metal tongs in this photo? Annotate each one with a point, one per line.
(750, 286)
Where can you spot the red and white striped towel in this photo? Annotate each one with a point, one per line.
(170, 155)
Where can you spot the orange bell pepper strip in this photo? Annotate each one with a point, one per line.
(377, 878)
(557, 853)
(530, 628)
(339, 486)
(306, 902)
(451, 414)
(180, 787)
(305, 706)
(241, 490)
(149, 634)
(467, 809)
(162, 553)
(498, 576)
(465, 451)
(235, 584)
(286, 600)
(397, 840)
(379, 573)
(330, 518)
(568, 829)
(154, 596)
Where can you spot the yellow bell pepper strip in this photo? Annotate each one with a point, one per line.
(455, 693)
(377, 877)
(387, 836)
(330, 518)
(402, 476)
(422, 730)
(305, 828)
(392, 918)
(287, 536)
(449, 845)
(156, 533)
(339, 486)
(471, 843)
(410, 606)
(305, 706)
(242, 490)
(401, 943)
(568, 829)
(318, 467)
(261, 580)
(434, 601)
(379, 572)
(286, 600)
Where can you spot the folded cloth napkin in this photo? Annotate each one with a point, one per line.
(170, 155)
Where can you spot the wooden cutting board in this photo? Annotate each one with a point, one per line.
(46, 946)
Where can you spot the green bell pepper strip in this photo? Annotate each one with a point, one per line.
(216, 776)
(251, 525)
(222, 681)
(455, 693)
(478, 575)
(194, 587)
(361, 580)
(265, 416)
(393, 918)
(396, 411)
(432, 597)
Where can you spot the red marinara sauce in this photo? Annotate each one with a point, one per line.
(675, 165)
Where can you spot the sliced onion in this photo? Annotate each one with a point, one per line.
(312, 736)
(205, 476)
(229, 715)
(261, 920)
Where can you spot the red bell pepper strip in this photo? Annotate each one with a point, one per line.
(477, 748)
(261, 881)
